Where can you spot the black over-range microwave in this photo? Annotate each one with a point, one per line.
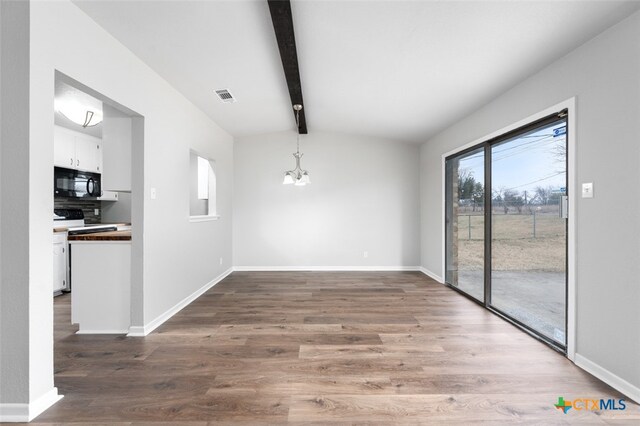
(76, 184)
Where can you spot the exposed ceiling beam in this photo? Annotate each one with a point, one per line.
(283, 26)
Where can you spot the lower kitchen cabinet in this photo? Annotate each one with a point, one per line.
(101, 295)
(60, 262)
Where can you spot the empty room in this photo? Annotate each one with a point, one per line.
(319, 212)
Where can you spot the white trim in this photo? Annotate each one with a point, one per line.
(431, 275)
(137, 331)
(38, 406)
(203, 218)
(26, 412)
(323, 268)
(141, 331)
(573, 192)
(616, 382)
(102, 331)
(443, 219)
(572, 268)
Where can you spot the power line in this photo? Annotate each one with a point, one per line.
(536, 181)
(495, 157)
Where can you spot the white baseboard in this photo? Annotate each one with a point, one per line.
(136, 331)
(432, 275)
(141, 331)
(616, 382)
(323, 268)
(23, 413)
(102, 331)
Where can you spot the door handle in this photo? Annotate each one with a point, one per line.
(77, 162)
(564, 207)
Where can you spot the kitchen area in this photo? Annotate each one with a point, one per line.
(92, 208)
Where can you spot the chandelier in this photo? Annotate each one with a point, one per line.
(297, 176)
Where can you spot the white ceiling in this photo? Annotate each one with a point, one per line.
(394, 69)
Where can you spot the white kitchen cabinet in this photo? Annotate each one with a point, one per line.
(88, 154)
(60, 265)
(64, 148)
(101, 296)
(75, 150)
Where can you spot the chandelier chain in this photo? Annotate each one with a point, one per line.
(298, 131)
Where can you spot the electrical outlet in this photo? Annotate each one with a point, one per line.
(153, 193)
(365, 254)
(221, 261)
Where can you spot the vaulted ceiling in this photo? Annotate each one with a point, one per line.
(401, 70)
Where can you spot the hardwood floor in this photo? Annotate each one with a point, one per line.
(321, 347)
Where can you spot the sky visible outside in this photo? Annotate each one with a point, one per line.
(524, 163)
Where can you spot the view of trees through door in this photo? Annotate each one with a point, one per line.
(465, 223)
(520, 271)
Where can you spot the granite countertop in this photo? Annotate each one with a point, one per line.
(103, 236)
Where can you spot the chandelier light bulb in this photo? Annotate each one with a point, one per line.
(288, 179)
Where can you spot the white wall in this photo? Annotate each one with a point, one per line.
(117, 211)
(15, 317)
(63, 38)
(604, 76)
(117, 135)
(116, 149)
(363, 197)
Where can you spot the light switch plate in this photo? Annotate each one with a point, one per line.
(153, 193)
(587, 190)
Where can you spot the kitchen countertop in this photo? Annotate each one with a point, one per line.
(120, 225)
(103, 236)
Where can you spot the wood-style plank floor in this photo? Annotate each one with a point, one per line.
(321, 347)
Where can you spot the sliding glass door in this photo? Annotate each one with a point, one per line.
(506, 226)
(465, 223)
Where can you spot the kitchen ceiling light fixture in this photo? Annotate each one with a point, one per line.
(297, 176)
(78, 113)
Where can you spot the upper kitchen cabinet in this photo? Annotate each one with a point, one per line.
(117, 140)
(75, 150)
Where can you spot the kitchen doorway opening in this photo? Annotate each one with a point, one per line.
(97, 173)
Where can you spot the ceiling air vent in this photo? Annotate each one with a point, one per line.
(225, 96)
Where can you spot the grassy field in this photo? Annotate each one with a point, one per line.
(514, 245)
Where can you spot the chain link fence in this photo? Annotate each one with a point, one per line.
(530, 223)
